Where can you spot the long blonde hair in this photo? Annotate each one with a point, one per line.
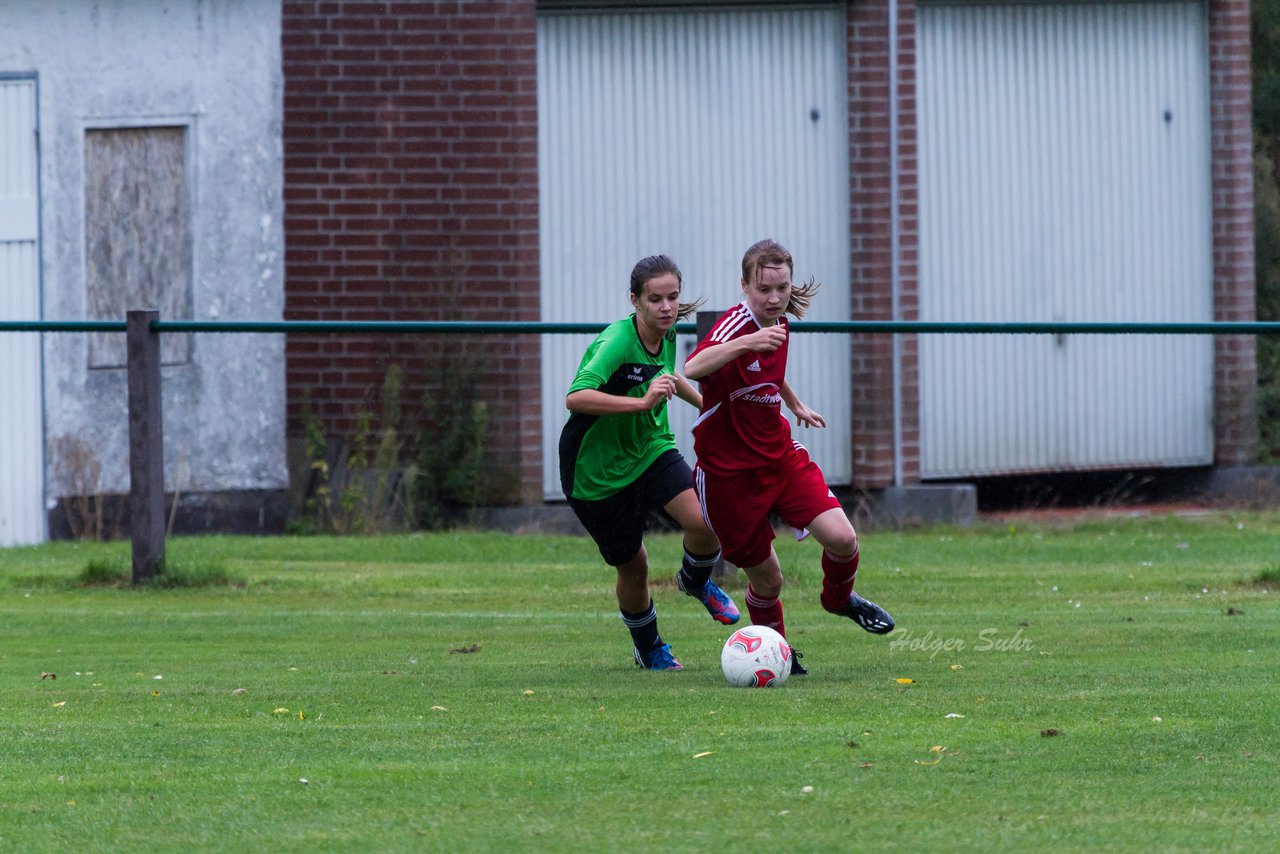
(771, 253)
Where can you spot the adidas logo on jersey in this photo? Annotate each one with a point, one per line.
(754, 366)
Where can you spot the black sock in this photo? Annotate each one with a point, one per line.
(695, 570)
(643, 627)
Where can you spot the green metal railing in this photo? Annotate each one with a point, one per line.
(467, 327)
(144, 328)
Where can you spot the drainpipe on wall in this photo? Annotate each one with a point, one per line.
(895, 271)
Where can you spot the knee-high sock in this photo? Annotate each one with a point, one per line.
(696, 569)
(837, 579)
(765, 612)
(643, 627)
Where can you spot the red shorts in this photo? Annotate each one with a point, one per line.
(737, 506)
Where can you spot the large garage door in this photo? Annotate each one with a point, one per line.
(21, 445)
(694, 133)
(1064, 176)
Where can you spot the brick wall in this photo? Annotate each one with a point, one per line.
(871, 241)
(410, 152)
(1235, 367)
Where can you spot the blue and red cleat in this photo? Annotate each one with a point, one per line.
(715, 600)
(658, 658)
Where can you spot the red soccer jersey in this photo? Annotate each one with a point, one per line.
(742, 425)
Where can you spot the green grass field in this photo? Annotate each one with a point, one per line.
(1106, 686)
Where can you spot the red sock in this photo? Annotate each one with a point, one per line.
(765, 612)
(837, 579)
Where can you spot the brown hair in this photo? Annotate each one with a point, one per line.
(771, 253)
(653, 267)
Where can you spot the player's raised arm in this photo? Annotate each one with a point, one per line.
(710, 359)
(590, 401)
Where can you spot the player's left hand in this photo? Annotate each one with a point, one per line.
(806, 417)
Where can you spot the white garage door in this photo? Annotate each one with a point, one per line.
(21, 445)
(694, 133)
(1064, 176)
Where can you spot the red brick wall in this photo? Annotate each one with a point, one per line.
(1235, 367)
(410, 152)
(871, 241)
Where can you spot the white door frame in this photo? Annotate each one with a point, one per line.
(22, 488)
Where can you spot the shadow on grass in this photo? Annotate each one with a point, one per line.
(172, 576)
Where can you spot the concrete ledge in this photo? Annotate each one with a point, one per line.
(249, 511)
(922, 504)
(1254, 487)
(536, 519)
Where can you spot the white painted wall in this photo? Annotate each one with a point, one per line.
(213, 66)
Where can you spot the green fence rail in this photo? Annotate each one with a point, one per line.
(467, 327)
(144, 328)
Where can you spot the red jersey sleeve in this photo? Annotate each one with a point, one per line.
(741, 425)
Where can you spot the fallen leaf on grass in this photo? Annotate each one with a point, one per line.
(903, 680)
(954, 715)
(439, 709)
(237, 692)
(957, 667)
(464, 650)
(60, 705)
(703, 753)
(933, 762)
(280, 711)
(528, 693)
(44, 676)
(937, 748)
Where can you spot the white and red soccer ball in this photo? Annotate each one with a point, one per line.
(756, 657)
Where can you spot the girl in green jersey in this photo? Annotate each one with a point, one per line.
(618, 457)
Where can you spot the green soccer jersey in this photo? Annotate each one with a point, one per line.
(601, 454)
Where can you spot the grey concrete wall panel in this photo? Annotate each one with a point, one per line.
(212, 70)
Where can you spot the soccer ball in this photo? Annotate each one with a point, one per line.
(756, 657)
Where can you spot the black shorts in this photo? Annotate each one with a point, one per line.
(616, 523)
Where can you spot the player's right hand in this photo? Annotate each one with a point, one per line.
(766, 340)
(661, 389)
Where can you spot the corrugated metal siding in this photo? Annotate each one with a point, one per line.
(1064, 176)
(21, 441)
(694, 133)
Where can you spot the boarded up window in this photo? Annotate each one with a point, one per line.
(137, 235)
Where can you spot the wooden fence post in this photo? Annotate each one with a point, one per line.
(146, 445)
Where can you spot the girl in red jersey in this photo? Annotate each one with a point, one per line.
(749, 466)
